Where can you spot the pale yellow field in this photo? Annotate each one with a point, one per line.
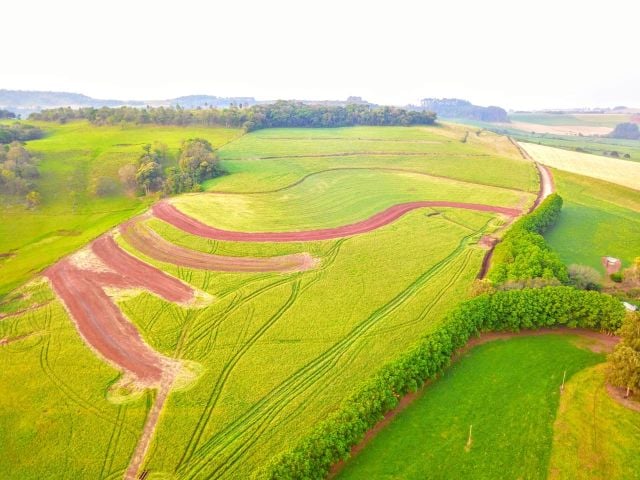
(559, 129)
(622, 172)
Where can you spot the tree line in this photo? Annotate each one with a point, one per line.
(278, 114)
(523, 255)
(19, 132)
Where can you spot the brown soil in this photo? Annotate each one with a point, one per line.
(167, 212)
(151, 244)
(595, 341)
(618, 394)
(150, 425)
(99, 320)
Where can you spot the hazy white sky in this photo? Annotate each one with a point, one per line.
(516, 54)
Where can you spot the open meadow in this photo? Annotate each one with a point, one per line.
(245, 344)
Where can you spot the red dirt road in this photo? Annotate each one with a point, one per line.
(170, 214)
(151, 244)
(99, 320)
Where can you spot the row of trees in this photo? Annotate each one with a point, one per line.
(7, 114)
(18, 171)
(197, 161)
(523, 253)
(278, 114)
(19, 132)
(331, 440)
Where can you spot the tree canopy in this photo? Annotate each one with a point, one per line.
(278, 114)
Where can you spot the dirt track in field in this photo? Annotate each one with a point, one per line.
(81, 288)
(153, 245)
(170, 214)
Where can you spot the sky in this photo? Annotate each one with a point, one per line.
(516, 54)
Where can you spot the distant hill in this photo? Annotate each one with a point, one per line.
(24, 102)
(457, 108)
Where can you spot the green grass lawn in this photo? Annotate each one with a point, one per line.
(508, 390)
(598, 218)
(71, 158)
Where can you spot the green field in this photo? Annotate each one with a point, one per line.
(597, 219)
(509, 391)
(71, 159)
(594, 436)
(593, 119)
(275, 352)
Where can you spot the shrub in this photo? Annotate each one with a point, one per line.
(584, 277)
(616, 277)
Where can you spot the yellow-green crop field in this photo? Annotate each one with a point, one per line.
(274, 352)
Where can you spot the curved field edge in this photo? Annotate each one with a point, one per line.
(325, 201)
(506, 391)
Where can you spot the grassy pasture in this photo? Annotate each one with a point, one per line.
(277, 352)
(621, 172)
(594, 437)
(507, 389)
(71, 159)
(597, 219)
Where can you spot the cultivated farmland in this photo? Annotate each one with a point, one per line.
(249, 341)
(621, 172)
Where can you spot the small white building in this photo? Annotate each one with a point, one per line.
(629, 306)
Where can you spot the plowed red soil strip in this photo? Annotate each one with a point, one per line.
(167, 212)
(98, 318)
(151, 244)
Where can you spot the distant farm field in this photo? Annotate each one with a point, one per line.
(508, 393)
(621, 172)
(271, 351)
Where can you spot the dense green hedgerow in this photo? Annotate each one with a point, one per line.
(524, 254)
(331, 440)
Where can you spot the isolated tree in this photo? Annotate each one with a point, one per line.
(624, 363)
(127, 175)
(33, 199)
(629, 131)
